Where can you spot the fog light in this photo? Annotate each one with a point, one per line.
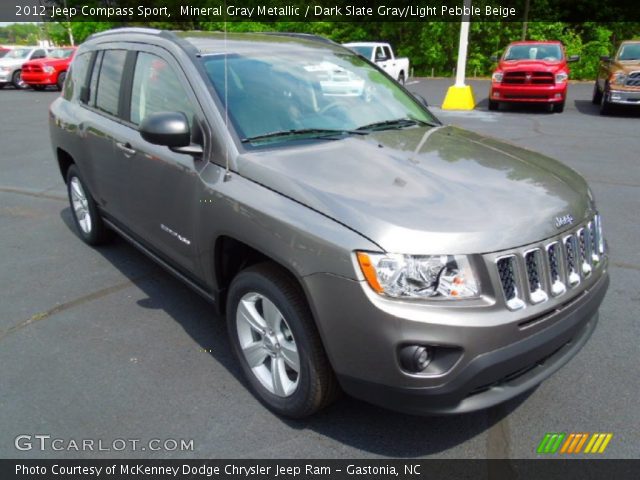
(616, 97)
(496, 94)
(558, 95)
(415, 358)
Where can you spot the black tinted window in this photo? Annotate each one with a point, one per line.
(108, 90)
(157, 88)
(76, 76)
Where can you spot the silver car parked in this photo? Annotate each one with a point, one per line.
(352, 241)
(11, 64)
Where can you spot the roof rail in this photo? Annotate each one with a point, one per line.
(148, 31)
(307, 36)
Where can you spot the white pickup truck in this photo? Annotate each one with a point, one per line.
(382, 55)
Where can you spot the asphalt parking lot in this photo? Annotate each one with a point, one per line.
(103, 344)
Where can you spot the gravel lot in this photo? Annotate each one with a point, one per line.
(103, 344)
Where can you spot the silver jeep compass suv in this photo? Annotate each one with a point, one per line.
(352, 241)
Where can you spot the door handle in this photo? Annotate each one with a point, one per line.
(126, 149)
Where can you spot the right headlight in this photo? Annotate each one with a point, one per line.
(618, 78)
(419, 276)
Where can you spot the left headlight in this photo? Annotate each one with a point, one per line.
(561, 77)
(419, 276)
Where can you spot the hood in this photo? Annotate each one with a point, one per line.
(627, 66)
(11, 62)
(429, 190)
(531, 65)
(53, 62)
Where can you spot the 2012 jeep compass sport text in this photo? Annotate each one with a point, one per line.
(353, 242)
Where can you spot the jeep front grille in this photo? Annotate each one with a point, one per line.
(633, 79)
(550, 269)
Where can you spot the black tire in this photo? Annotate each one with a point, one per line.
(558, 107)
(60, 81)
(597, 94)
(316, 383)
(401, 79)
(2, 85)
(38, 87)
(605, 106)
(493, 105)
(16, 79)
(97, 233)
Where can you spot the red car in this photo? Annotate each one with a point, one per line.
(531, 72)
(50, 70)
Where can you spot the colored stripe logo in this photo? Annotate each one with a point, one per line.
(574, 443)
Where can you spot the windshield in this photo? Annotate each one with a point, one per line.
(363, 50)
(307, 90)
(629, 51)
(534, 51)
(18, 53)
(60, 53)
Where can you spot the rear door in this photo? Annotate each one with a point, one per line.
(106, 168)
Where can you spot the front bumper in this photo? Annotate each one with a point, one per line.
(528, 93)
(624, 97)
(39, 78)
(5, 77)
(495, 360)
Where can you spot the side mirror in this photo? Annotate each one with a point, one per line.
(605, 58)
(493, 58)
(170, 129)
(573, 58)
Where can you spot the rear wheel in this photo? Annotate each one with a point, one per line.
(85, 211)
(60, 82)
(276, 342)
(17, 81)
(597, 94)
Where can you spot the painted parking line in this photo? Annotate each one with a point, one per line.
(413, 82)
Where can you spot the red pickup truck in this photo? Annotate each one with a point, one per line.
(51, 70)
(531, 72)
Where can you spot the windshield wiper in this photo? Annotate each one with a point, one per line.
(396, 123)
(314, 132)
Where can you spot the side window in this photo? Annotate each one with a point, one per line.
(379, 55)
(76, 76)
(93, 84)
(108, 89)
(38, 54)
(387, 52)
(157, 88)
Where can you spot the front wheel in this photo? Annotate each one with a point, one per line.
(60, 82)
(558, 107)
(401, 78)
(17, 81)
(493, 105)
(85, 211)
(605, 106)
(596, 98)
(276, 342)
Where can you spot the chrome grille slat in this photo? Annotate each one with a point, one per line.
(533, 276)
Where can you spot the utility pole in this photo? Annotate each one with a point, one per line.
(525, 23)
(460, 95)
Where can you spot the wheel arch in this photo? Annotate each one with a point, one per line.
(65, 160)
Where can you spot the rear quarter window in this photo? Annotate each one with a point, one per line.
(76, 76)
(109, 80)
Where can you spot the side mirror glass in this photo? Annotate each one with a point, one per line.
(493, 58)
(573, 58)
(605, 58)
